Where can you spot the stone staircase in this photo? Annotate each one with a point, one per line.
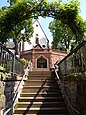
(40, 96)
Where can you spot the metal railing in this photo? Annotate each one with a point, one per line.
(73, 65)
(9, 110)
(10, 62)
(14, 66)
(71, 109)
(74, 62)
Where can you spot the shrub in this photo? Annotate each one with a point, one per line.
(25, 62)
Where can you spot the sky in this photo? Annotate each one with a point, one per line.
(45, 21)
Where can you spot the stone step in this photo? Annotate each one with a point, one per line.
(41, 94)
(48, 110)
(39, 73)
(38, 89)
(38, 76)
(40, 104)
(42, 114)
(40, 82)
(40, 99)
(36, 82)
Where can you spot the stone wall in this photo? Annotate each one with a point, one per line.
(81, 96)
(10, 86)
(70, 87)
(2, 97)
(75, 89)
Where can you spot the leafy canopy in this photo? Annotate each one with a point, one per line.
(63, 37)
(22, 10)
(16, 33)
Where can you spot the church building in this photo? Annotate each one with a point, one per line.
(38, 50)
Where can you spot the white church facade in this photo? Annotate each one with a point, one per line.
(38, 50)
(39, 37)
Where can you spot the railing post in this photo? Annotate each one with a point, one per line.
(13, 64)
(1, 56)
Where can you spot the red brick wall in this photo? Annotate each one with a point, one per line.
(38, 53)
(52, 56)
(57, 55)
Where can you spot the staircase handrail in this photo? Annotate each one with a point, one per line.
(17, 92)
(73, 66)
(72, 109)
(73, 51)
(8, 58)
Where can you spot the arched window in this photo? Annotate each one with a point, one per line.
(41, 63)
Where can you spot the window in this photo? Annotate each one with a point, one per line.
(41, 63)
(37, 35)
(36, 25)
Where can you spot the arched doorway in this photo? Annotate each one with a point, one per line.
(41, 63)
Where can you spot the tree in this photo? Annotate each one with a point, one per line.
(66, 13)
(15, 33)
(12, 2)
(63, 37)
(18, 36)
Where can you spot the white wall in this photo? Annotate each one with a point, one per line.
(41, 35)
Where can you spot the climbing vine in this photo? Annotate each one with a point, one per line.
(66, 12)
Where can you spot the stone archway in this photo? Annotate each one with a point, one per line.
(41, 63)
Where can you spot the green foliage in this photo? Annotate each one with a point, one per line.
(2, 96)
(26, 25)
(22, 10)
(3, 74)
(25, 62)
(63, 37)
(2, 68)
(78, 75)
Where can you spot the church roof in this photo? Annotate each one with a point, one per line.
(41, 28)
(38, 46)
